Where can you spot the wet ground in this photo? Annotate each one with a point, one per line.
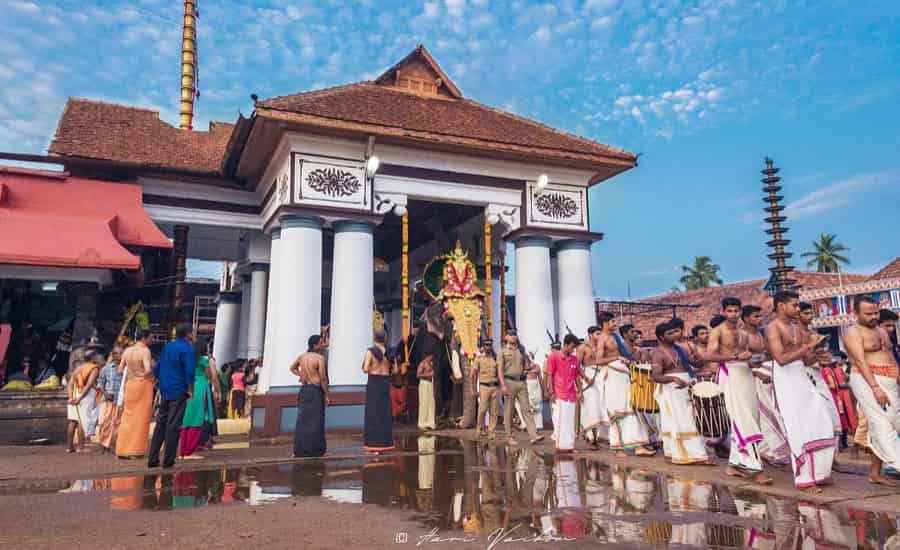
(462, 492)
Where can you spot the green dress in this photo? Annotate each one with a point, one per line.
(199, 414)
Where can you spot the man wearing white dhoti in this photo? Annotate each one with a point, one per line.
(873, 379)
(774, 447)
(682, 442)
(562, 373)
(593, 407)
(809, 430)
(626, 430)
(814, 371)
(729, 346)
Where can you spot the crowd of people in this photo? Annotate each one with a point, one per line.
(775, 396)
(113, 400)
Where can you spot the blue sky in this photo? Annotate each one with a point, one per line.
(704, 89)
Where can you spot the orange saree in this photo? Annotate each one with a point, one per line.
(134, 429)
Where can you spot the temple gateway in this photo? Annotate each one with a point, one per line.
(329, 204)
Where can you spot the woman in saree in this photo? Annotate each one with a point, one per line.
(199, 414)
(137, 393)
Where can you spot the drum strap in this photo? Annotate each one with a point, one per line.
(685, 362)
(622, 348)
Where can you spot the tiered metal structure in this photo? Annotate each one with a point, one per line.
(188, 65)
(781, 272)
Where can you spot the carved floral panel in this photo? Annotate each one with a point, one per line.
(337, 183)
(557, 206)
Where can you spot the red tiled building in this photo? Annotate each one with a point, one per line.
(709, 300)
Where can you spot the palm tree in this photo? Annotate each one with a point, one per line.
(702, 274)
(825, 254)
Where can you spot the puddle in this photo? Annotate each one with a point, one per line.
(471, 489)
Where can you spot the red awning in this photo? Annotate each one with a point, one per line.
(51, 219)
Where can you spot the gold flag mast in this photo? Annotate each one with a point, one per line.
(188, 65)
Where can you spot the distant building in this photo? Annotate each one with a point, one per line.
(834, 303)
(708, 300)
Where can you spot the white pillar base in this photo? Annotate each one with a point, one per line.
(534, 295)
(228, 320)
(352, 301)
(271, 335)
(576, 291)
(246, 292)
(299, 310)
(256, 326)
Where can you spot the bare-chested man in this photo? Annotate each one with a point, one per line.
(809, 431)
(379, 365)
(136, 397)
(593, 407)
(774, 447)
(692, 353)
(729, 346)
(682, 442)
(137, 358)
(701, 339)
(626, 431)
(874, 381)
(310, 368)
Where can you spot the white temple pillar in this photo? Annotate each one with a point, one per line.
(269, 343)
(243, 331)
(256, 329)
(299, 307)
(576, 292)
(228, 320)
(534, 294)
(352, 301)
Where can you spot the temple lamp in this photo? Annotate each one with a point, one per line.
(371, 166)
(372, 161)
(542, 182)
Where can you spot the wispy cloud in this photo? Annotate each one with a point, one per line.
(615, 70)
(838, 194)
(663, 271)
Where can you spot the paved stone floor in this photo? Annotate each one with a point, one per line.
(442, 490)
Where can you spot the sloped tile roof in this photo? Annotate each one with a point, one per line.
(890, 271)
(391, 111)
(131, 135)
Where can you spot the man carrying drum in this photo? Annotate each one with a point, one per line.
(626, 431)
(672, 371)
(729, 345)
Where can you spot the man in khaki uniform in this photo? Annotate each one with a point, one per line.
(512, 370)
(484, 377)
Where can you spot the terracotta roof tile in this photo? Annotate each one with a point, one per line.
(890, 271)
(709, 300)
(396, 112)
(813, 279)
(131, 135)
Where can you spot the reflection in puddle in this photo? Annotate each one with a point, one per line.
(470, 488)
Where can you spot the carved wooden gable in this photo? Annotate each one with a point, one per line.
(419, 73)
